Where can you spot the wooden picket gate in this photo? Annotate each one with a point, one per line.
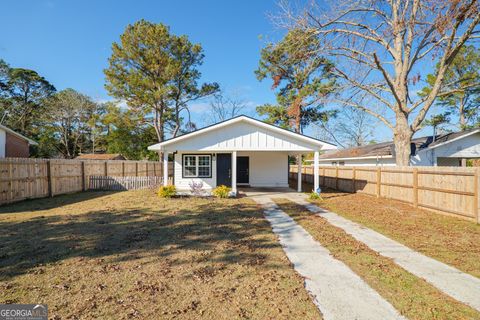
(124, 183)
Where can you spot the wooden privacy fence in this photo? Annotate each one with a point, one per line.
(451, 190)
(37, 178)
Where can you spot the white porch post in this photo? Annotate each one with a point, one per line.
(299, 173)
(315, 172)
(165, 168)
(234, 173)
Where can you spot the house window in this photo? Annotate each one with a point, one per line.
(334, 163)
(197, 166)
(342, 163)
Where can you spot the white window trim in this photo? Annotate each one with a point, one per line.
(197, 165)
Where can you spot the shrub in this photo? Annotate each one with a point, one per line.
(315, 196)
(167, 192)
(221, 191)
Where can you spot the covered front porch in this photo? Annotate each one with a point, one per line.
(240, 152)
(236, 169)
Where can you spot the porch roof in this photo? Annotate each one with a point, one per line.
(243, 133)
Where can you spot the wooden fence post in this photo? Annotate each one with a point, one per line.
(50, 178)
(10, 174)
(415, 187)
(136, 169)
(146, 169)
(106, 168)
(476, 200)
(323, 176)
(336, 178)
(379, 182)
(84, 185)
(123, 168)
(354, 177)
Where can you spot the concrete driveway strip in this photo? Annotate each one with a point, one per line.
(338, 292)
(453, 282)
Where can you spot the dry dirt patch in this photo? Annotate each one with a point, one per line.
(133, 255)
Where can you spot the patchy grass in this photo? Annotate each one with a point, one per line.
(132, 254)
(412, 296)
(447, 239)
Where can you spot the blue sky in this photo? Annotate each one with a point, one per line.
(68, 42)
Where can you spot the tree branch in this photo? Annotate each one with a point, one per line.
(371, 112)
(387, 79)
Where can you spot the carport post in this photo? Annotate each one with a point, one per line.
(234, 173)
(299, 173)
(165, 168)
(316, 177)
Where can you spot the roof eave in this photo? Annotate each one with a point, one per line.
(357, 158)
(7, 129)
(322, 144)
(453, 140)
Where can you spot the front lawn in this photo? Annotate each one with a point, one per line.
(448, 239)
(131, 254)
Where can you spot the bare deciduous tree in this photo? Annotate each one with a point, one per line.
(350, 127)
(224, 107)
(381, 49)
(355, 127)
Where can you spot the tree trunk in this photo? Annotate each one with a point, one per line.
(402, 136)
(177, 121)
(298, 128)
(158, 123)
(176, 130)
(461, 111)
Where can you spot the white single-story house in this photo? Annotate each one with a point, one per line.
(241, 151)
(450, 149)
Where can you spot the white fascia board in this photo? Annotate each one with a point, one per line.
(320, 144)
(453, 140)
(356, 158)
(30, 141)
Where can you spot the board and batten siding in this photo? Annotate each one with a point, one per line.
(242, 137)
(267, 169)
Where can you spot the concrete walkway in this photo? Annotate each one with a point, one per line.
(338, 292)
(459, 285)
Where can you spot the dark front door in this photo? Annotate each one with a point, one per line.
(242, 170)
(224, 169)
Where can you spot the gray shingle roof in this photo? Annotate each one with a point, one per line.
(388, 148)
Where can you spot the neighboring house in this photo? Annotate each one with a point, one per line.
(100, 156)
(13, 144)
(241, 151)
(449, 149)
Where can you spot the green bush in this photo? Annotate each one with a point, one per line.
(221, 191)
(167, 192)
(314, 196)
